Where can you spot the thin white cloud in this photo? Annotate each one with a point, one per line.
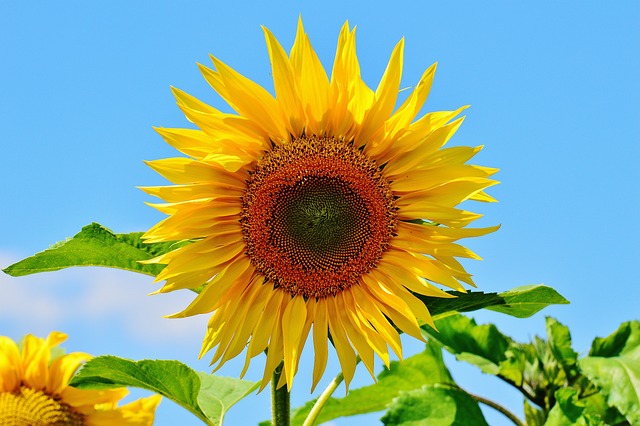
(43, 302)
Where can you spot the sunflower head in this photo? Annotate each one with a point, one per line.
(322, 210)
(34, 389)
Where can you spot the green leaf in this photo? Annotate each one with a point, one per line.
(565, 411)
(523, 302)
(519, 302)
(625, 338)
(569, 410)
(530, 367)
(416, 371)
(559, 339)
(533, 416)
(464, 302)
(618, 378)
(95, 245)
(481, 345)
(205, 395)
(434, 405)
(218, 394)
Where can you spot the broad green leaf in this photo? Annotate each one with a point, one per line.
(205, 395)
(95, 245)
(523, 302)
(626, 337)
(434, 405)
(416, 371)
(481, 345)
(618, 378)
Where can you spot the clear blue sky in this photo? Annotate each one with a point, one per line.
(554, 94)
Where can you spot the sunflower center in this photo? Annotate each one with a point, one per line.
(317, 214)
(28, 406)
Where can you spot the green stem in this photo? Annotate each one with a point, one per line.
(280, 399)
(499, 408)
(322, 399)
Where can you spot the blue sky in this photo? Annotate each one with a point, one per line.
(554, 94)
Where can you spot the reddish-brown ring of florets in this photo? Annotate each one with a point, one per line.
(317, 214)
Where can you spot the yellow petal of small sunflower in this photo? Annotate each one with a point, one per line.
(34, 389)
(322, 211)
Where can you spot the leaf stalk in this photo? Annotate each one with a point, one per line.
(499, 408)
(322, 400)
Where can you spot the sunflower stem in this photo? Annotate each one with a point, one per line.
(280, 399)
(322, 399)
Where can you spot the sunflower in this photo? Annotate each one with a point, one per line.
(34, 389)
(321, 211)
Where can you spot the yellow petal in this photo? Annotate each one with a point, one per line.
(416, 205)
(393, 307)
(187, 171)
(61, 370)
(320, 337)
(443, 233)
(200, 255)
(348, 88)
(385, 98)
(262, 331)
(250, 308)
(249, 99)
(293, 320)
(413, 136)
(412, 105)
(313, 83)
(286, 85)
(218, 125)
(237, 273)
(196, 223)
(275, 353)
(88, 398)
(449, 193)
(430, 144)
(346, 356)
(414, 243)
(395, 261)
(140, 412)
(11, 368)
(178, 193)
(361, 325)
(373, 314)
(399, 122)
(415, 305)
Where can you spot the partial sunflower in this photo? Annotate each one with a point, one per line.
(318, 209)
(35, 391)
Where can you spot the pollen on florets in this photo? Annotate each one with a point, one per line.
(28, 406)
(317, 214)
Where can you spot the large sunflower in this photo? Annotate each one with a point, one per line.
(321, 206)
(35, 391)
